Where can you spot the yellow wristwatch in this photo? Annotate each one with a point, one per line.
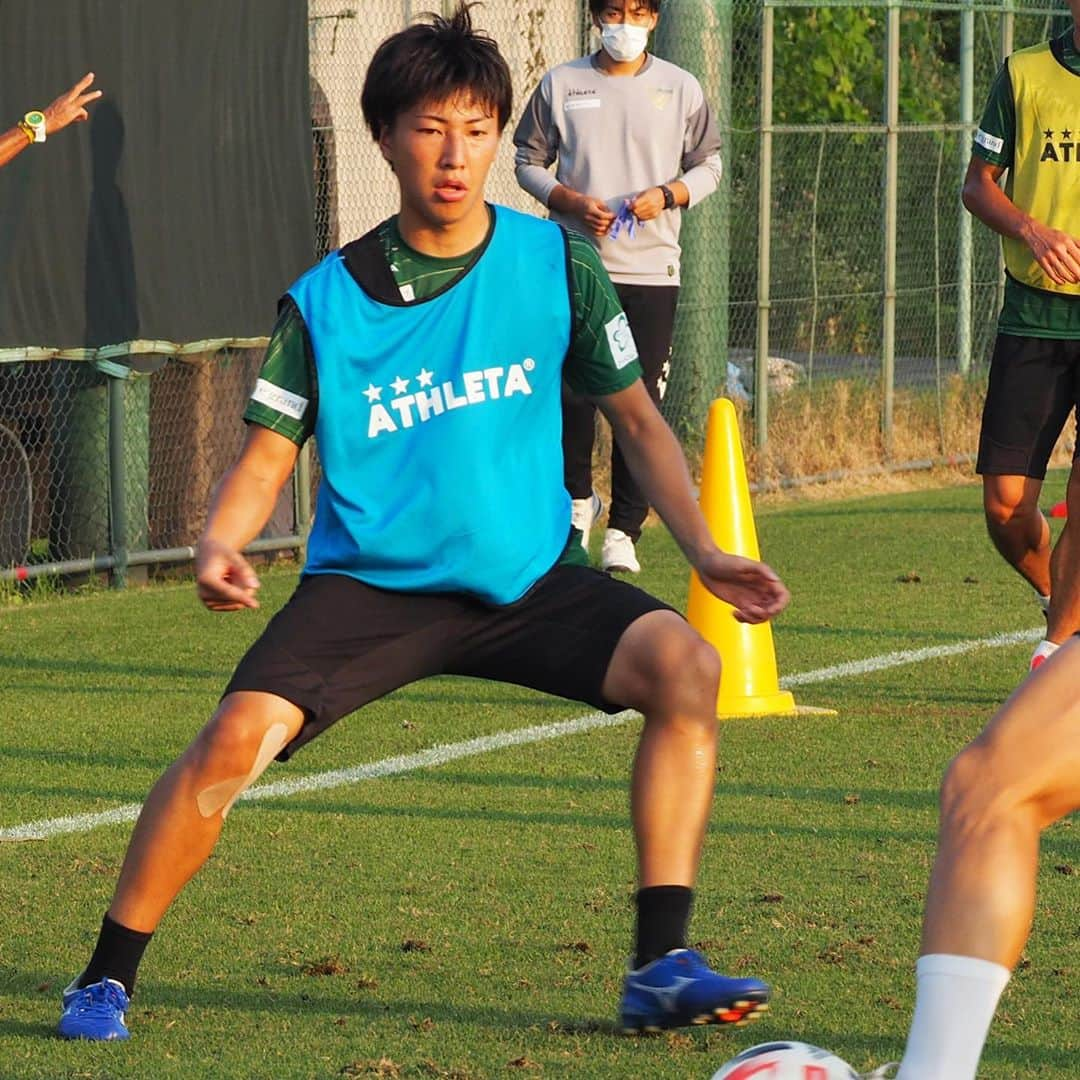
(33, 125)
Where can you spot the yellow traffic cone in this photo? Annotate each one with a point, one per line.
(748, 682)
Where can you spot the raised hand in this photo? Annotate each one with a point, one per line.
(70, 107)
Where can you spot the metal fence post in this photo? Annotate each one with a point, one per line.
(761, 360)
(1008, 23)
(963, 242)
(118, 519)
(888, 320)
(696, 35)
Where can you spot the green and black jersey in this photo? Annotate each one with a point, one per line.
(288, 370)
(1030, 311)
(601, 358)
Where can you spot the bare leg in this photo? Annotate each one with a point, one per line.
(665, 670)
(1017, 527)
(181, 819)
(1063, 618)
(1018, 776)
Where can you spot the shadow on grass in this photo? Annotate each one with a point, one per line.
(1023, 1057)
(867, 837)
(130, 757)
(274, 1002)
(901, 641)
(54, 665)
(334, 996)
(914, 799)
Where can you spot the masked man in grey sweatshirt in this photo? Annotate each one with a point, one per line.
(634, 144)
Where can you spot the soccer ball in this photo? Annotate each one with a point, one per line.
(785, 1061)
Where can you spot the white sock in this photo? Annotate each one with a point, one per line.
(1044, 602)
(955, 1000)
(1045, 648)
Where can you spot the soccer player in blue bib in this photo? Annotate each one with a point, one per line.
(426, 359)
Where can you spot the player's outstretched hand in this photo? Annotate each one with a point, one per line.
(753, 589)
(224, 578)
(70, 107)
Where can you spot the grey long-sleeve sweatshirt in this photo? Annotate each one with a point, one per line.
(612, 137)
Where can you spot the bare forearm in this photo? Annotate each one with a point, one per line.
(242, 505)
(983, 197)
(564, 199)
(12, 143)
(657, 463)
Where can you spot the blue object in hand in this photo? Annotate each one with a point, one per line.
(624, 219)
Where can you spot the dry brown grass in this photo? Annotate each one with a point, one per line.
(836, 427)
(827, 438)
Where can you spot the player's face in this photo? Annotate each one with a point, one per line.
(635, 12)
(441, 153)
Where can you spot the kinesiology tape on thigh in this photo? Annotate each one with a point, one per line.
(224, 793)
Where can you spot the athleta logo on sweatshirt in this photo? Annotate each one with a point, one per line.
(411, 406)
(581, 99)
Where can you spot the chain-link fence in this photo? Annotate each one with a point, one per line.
(863, 297)
(833, 284)
(110, 466)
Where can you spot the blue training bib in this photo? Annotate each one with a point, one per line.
(439, 422)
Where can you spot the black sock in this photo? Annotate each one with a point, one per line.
(662, 914)
(116, 956)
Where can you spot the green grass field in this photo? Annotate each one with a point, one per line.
(473, 919)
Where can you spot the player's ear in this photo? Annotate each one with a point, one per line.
(384, 144)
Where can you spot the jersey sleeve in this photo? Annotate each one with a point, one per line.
(995, 138)
(602, 358)
(285, 398)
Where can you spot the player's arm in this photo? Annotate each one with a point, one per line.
(68, 108)
(242, 505)
(281, 416)
(1057, 252)
(12, 143)
(992, 152)
(602, 362)
(656, 462)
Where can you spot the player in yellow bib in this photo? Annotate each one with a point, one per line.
(1030, 131)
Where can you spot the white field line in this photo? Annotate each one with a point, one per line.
(440, 755)
(910, 656)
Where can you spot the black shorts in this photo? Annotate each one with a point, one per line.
(338, 643)
(1034, 385)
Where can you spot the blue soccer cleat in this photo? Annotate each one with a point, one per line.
(94, 1012)
(680, 989)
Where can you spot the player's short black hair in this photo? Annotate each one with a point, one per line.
(435, 60)
(596, 6)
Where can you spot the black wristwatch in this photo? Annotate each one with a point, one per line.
(669, 197)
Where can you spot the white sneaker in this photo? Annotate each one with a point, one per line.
(618, 553)
(583, 514)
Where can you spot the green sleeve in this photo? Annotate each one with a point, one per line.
(603, 358)
(995, 139)
(285, 398)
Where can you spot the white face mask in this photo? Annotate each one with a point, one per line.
(623, 42)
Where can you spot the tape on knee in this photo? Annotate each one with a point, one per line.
(221, 796)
